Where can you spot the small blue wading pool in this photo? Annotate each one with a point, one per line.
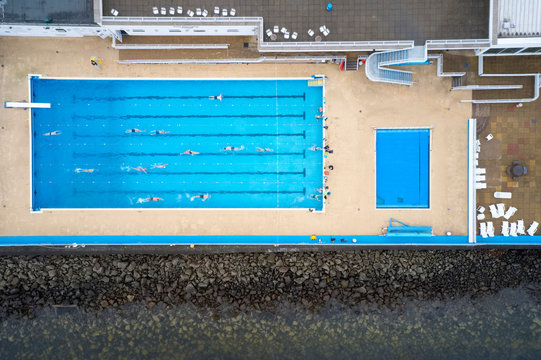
(403, 168)
(176, 144)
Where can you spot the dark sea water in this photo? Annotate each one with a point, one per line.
(506, 325)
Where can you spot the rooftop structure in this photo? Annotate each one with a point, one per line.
(72, 12)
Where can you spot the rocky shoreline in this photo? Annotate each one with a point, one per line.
(260, 281)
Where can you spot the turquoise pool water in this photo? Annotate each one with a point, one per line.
(195, 144)
(403, 168)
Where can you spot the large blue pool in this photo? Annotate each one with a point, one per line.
(403, 168)
(96, 162)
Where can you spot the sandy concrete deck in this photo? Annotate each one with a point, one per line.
(350, 210)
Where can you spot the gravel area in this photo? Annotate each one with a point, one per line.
(261, 281)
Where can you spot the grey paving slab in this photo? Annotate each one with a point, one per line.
(350, 20)
(55, 11)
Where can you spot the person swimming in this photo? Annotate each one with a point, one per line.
(158, 166)
(149, 199)
(56, 132)
(219, 97)
(317, 197)
(158, 132)
(315, 148)
(135, 130)
(203, 197)
(79, 170)
(232, 148)
(263, 149)
(140, 168)
(189, 152)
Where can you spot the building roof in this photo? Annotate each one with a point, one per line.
(38, 11)
(349, 20)
(519, 18)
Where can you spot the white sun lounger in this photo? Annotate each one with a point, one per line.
(294, 35)
(198, 12)
(510, 212)
(216, 10)
(155, 10)
(481, 209)
(480, 171)
(205, 13)
(502, 195)
(276, 29)
(480, 217)
(179, 10)
(505, 228)
(114, 12)
(520, 227)
(493, 211)
(490, 229)
(171, 11)
(489, 137)
(224, 12)
(163, 11)
(310, 32)
(501, 209)
(533, 228)
(513, 231)
(233, 12)
(483, 230)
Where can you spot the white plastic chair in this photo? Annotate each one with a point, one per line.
(286, 35)
(480, 171)
(481, 209)
(268, 32)
(155, 10)
(205, 13)
(114, 12)
(163, 11)
(490, 228)
(322, 28)
(294, 36)
(216, 10)
(233, 12)
(520, 227)
(190, 13)
(276, 29)
(310, 32)
(489, 137)
(179, 10)
(198, 12)
(480, 178)
(326, 32)
(479, 186)
(171, 11)
(483, 230)
(224, 12)
(533, 228)
(480, 217)
(505, 228)
(283, 30)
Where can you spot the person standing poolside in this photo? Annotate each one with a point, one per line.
(56, 132)
(264, 149)
(232, 148)
(203, 197)
(95, 62)
(158, 166)
(79, 170)
(189, 152)
(135, 130)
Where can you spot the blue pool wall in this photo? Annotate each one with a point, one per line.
(302, 240)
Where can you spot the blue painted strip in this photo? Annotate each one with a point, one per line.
(345, 240)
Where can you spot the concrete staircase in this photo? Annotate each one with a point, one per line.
(376, 63)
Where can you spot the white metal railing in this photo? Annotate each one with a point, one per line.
(169, 46)
(472, 193)
(235, 61)
(487, 87)
(181, 19)
(439, 67)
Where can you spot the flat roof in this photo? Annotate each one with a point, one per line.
(350, 20)
(71, 12)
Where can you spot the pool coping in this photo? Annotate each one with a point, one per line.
(31, 145)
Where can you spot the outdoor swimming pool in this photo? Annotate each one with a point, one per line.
(403, 168)
(251, 147)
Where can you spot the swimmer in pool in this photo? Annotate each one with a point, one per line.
(219, 97)
(315, 148)
(148, 199)
(320, 109)
(203, 197)
(158, 132)
(318, 116)
(134, 131)
(158, 166)
(142, 169)
(263, 149)
(232, 148)
(189, 152)
(56, 132)
(79, 170)
(317, 197)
